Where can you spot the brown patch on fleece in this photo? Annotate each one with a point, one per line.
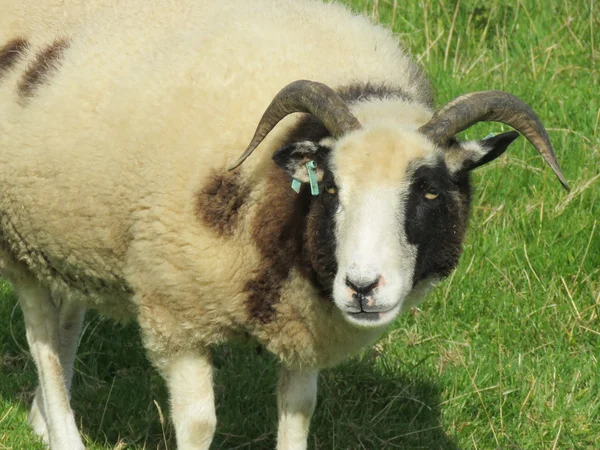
(45, 62)
(219, 202)
(10, 54)
(277, 230)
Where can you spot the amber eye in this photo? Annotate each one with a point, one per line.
(431, 195)
(331, 189)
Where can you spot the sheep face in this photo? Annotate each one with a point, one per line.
(390, 216)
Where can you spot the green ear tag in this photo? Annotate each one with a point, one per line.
(491, 135)
(296, 185)
(311, 167)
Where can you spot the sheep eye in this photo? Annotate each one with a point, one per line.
(431, 195)
(330, 187)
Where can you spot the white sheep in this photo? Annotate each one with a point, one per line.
(118, 122)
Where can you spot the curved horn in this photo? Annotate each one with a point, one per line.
(303, 96)
(492, 106)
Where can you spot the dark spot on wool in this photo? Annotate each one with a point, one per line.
(263, 293)
(11, 53)
(219, 202)
(44, 64)
(277, 231)
(360, 92)
(437, 227)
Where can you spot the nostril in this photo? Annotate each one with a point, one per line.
(351, 285)
(372, 286)
(362, 288)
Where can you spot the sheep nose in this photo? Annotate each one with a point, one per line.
(363, 288)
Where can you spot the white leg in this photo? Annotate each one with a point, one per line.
(296, 400)
(42, 319)
(70, 323)
(189, 379)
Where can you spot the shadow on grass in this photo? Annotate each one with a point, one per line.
(119, 399)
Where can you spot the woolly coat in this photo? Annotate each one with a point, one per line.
(117, 122)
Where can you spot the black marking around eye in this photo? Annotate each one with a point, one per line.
(320, 237)
(436, 228)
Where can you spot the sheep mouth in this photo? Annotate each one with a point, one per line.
(367, 319)
(366, 315)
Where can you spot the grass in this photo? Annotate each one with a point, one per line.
(504, 355)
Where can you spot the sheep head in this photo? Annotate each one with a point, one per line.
(394, 199)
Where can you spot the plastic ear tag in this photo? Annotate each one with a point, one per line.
(311, 167)
(491, 135)
(296, 185)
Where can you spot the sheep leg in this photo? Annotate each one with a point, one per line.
(71, 317)
(296, 400)
(189, 379)
(42, 323)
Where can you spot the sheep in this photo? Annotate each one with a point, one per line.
(122, 189)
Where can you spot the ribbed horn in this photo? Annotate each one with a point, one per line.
(492, 106)
(303, 96)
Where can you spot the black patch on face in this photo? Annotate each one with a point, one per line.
(320, 263)
(437, 227)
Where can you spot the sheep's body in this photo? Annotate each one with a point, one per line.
(117, 123)
(119, 161)
(102, 161)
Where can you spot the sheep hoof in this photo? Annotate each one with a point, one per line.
(38, 422)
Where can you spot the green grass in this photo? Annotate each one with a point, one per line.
(504, 355)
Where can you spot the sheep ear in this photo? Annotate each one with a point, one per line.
(293, 159)
(468, 155)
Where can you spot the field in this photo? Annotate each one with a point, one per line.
(504, 355)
